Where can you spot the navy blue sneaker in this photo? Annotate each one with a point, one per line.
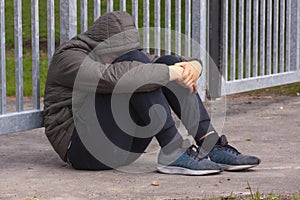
(229, 158)
(186, 162)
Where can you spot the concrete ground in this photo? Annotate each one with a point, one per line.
(265, 125)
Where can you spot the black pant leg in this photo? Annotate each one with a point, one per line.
(80, 158)
(188, 107)
(165, 136)
(140, 104)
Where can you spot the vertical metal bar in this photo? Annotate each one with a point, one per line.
(233, 40)
(241, 40)
(255, 38)
(68, 20)
(109, 5)
(135, 9)
(168, 26)
(275, 35)
(282, 37)
(18, 54)
(196, 48)
(2, 59)
(188, 22)
(248, 37)
(262, 36)
(215, 52)
(294, 36)
(50, 29)
(35, 54)
(178, 27)
(157, 27)
(269, 38)
(97, 9)
(225, 24)
(203, 33)
(146, 34)
(199, 35)
(123, 5)
(83, 15)
(298, 38)
(288, 33)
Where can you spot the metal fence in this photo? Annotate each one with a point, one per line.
(20, 120)
(190, 13)
(257, 44)
(261, 44)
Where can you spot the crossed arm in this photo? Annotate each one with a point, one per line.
(65, 69)
(186, 74)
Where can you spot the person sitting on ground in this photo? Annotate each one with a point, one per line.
(106, 64)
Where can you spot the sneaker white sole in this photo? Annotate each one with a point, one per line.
(184, 171)
(236, 167)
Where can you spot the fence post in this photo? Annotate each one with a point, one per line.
(135, 10)
(109, 5)
(294, 36)
(178, 27)
(50, 29)
(295, 46)
(123, 5)
(68, 19)
(167, 26)
(18, 54)
(97, 9)
(157, 28)
(2, 60)
(298, 51)
(199, 36)
(83, 15)
(146, 25)
(35, 54)
(215, 49)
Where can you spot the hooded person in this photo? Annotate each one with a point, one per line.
(84, 123)
(112, 34)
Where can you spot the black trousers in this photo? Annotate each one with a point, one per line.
(188, 107)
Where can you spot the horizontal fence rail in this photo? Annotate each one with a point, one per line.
(172, 34)
(261, 44)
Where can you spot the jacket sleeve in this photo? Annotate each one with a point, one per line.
(197, 63)
(76, 69)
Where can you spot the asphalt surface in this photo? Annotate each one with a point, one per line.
(267, 126)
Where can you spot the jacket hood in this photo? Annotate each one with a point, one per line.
(113, 32)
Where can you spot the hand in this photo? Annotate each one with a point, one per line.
(190, 74)
(190, 71)
(176, 73)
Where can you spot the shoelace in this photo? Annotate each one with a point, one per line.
(223, 143)
(193, 151)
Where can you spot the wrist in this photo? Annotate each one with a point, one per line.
(197, 66)
(175, 72)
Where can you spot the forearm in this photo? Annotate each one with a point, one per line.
(175, 72)
(125, 76)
